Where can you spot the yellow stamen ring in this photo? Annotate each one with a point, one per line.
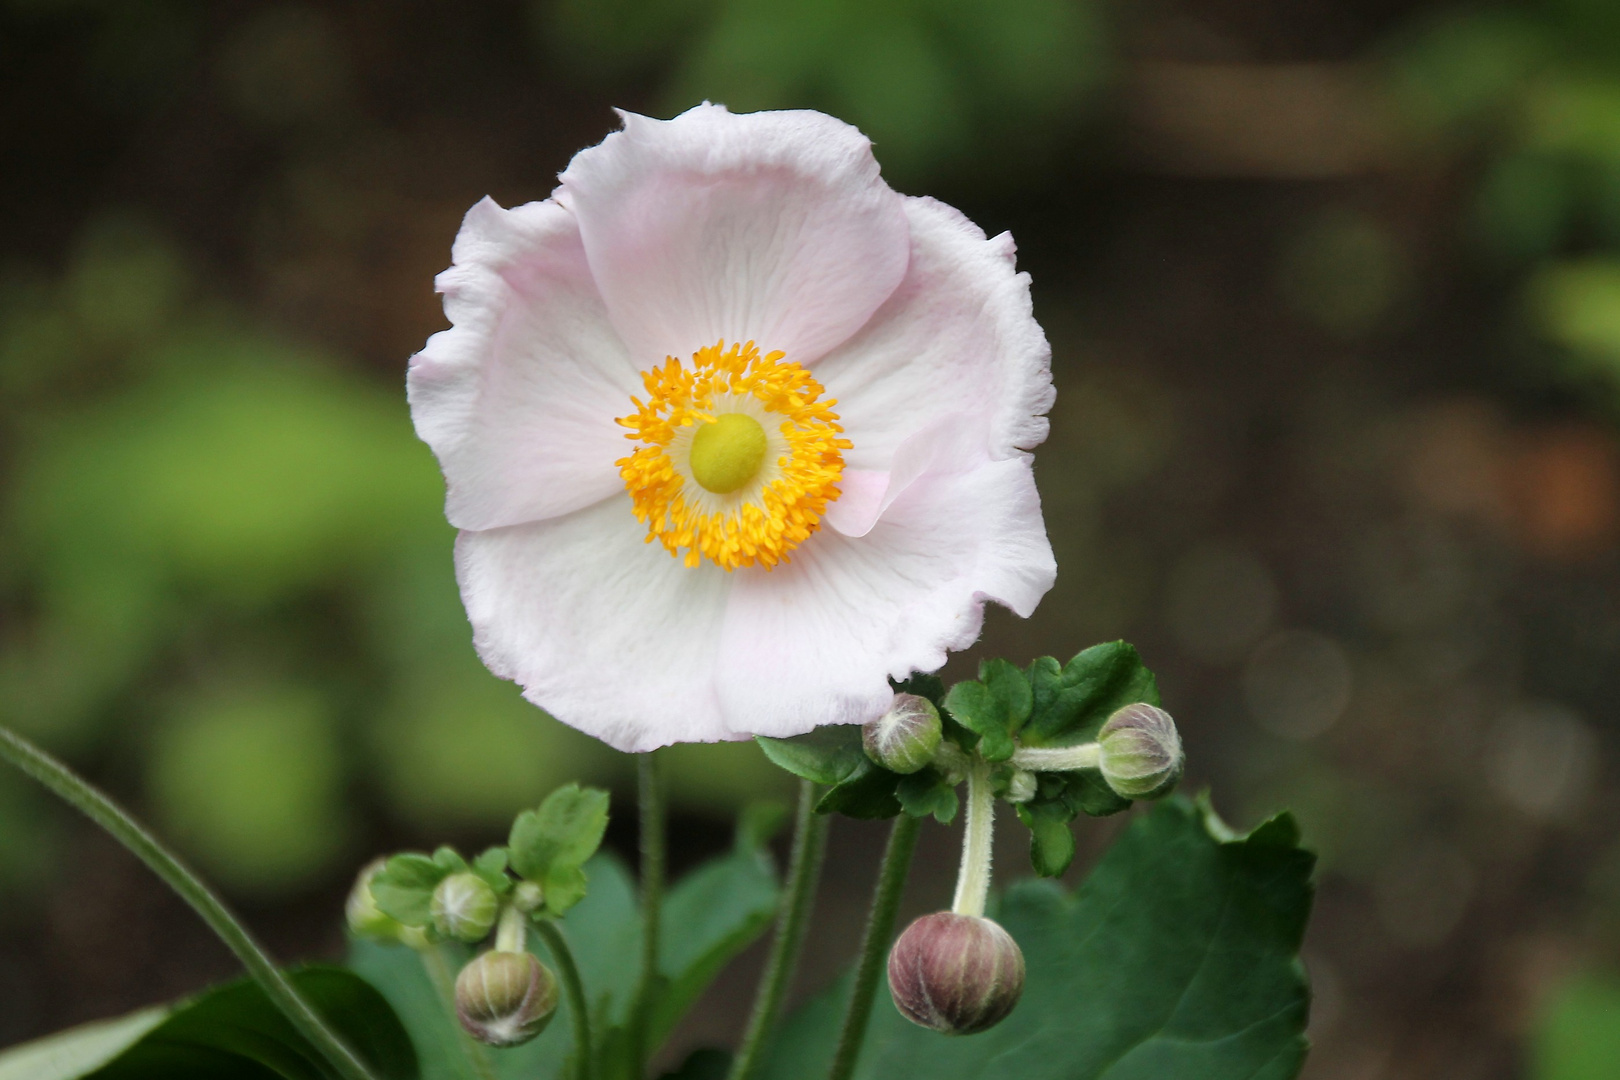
(738, 459)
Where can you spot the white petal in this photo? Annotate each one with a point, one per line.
(957, 337)
(518, 398)
(607, 633)
(773, 227)
(816, 641)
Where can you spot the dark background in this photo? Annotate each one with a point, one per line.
(1334, 293)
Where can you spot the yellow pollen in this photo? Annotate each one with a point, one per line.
(727, 452)
(737, 456)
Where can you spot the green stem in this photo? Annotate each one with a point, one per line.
(104, 812)
(650, 788)
(973, 880)
(573, 990)
(793, 918)
(875, 943)
(438, 973)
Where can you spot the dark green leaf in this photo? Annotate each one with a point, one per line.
(825, 756)
(1071, 705)
(403, 888)
(926, 792)
(1085, 792)
(549, 845)
(868, 792)
(712, 914)
(759, 822)
(1051, 840)
(706, 1063)
(1178, 958)
(931, 687)
(983, 712)
(1011, 688)
(232, 1032)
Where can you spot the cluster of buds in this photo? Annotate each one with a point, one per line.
(958, 972)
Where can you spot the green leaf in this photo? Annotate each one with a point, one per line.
(1085, 792)
(826, 755)
(231, 1032)
(982, 711)
(867, 793)
(1051, 840)
(926, 792)
(1011, 687)
(1178, 957)
(448, 860)
(549, 845)
(1578, 1034)
(1071, 704)
(931, 687)
(403, 888)
(759, 822)
(491, 866)
(712, 914)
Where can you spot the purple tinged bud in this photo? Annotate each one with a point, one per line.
(956, 974)
(1140, 752)
(505, 998)
(905, 738)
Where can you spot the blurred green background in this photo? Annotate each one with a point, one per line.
(1334, 292)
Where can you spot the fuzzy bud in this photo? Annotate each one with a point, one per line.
(527, 897)
(505, 998)
(904, 739)
(956, 974)
(1140, 752)
(465, 907)
(1021, 786)
(365, 918)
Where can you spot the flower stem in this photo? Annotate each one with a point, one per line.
(973, 881)
(875, 943)
(573, 991)
(650, 788)
(1058, 758)
(438, 973)
(792, 919)
(104, 812)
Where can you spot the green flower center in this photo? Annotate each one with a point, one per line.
(727, 452)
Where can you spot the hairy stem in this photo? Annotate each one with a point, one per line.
(444, 985)
(1058, 758)
(573, 992)
(792, 919)
(127, 831)
(875, 943)
(650, 788)
(973, 881)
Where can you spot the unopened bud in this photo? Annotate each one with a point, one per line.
(1021, 786)
(956, 974)
(527, 897)
(1140, 752)
(465, 907)
(365, 918)
(904, 739)
(505, 998)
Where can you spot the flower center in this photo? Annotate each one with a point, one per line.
(738, 456)
(727, 452)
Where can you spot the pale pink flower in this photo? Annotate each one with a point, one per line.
(733, 432)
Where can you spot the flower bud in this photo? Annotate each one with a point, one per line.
(527, 897)
(957, 974)
(1021, 786)
(365, 918)
(505, 998)
(904, 739)
(464, 907)
(1140, 752)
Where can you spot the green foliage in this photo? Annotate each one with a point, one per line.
(866, 793)
(1072, 702)
(232, 1032)
(403, 888)
(927, 792)
(551, 845)
(1178, 957)
(1578, 1036)
(826, 755)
